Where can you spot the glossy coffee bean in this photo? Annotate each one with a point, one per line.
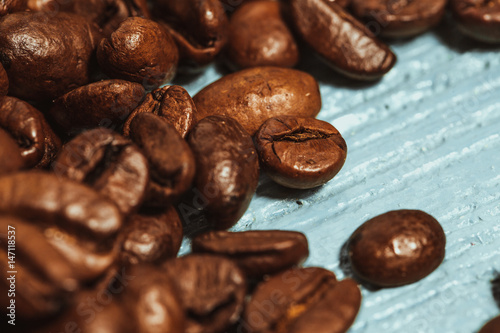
(171, 161)
(64, 38)
(302, 301)
(257, 253)
(478, 19)
(397, 248)
(105, 103)
(151, 237)
(300, 152)
(109, 163)
(399, 18)
(227, 169)
(38, 143)
(254, 95)
(10, 154)
(341, 40)
(493, 326)
(212, 290)
(141, 51)
(4, 82)
(199, 27)
(173, 104)
(258, 36)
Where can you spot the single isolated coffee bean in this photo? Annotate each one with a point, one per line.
(171, 161)
(141, 51)
(258, 36)
(109, 163)
(257, 253)
(65, 38)
(4, 82)
(300, 152)
(254, 95)
(301, 301)
(173, 104)
(227, 169)
(397, 248)
(199, 27)
(105, 103)
(399, 18)
(493, 326)
(341, 40)
(478, 19)
(38, 143)
(212, 291)
(10, 154)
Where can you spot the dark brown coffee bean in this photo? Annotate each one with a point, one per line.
(11, 6)
(173, 104)
(10, 154)
(105, 103)
(302, 301)
(4, 82)
(479, 19)
(141, 51)
(258, 36)
(399, 18)
(151, 237)
(64, 38)
(109, 163)
(227, 169)
(397, 248)
(493, 326)
(257, 253)
(212, 290)
(38, 143)
(171, 162)
(300, 152)
(254, 95)
(199, 27)
(341, 40)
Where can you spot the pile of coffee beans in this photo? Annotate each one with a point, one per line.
(100, 162)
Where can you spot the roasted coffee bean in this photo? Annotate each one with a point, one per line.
(4, 82)
(38, 143)
(10, 154)
(257, 253)
(478, 19)
(397, 248)
(254, 95)
(227, 169)
(140, 50)
(300, 152)
(77, 221)
(171, 161)
(199, 27)
(151, 237)
(173, 104)
(258, 36)
(105, 103)
(39, 75)
(399, 18)
(109, 163)
(493, 326)
(341, 40)
(11, 6)
(212, 291)
(302, 301)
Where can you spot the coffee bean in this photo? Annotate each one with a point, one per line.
(257, 253)
(109, 163)
(341, 40)
(227, 169)
(493, 326)
(300, 152)
(397, 248)
(399, 18)
(64, 38)
(199, 27)
(478, 19)
(140, 50)
(38, 143)
(212, 290)
(171, 162)
(11, 6)
(10, 154)
(258, 36)
(4, 82)
(301, 301)
(254, 95)
(151, 237)
(105, 103)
